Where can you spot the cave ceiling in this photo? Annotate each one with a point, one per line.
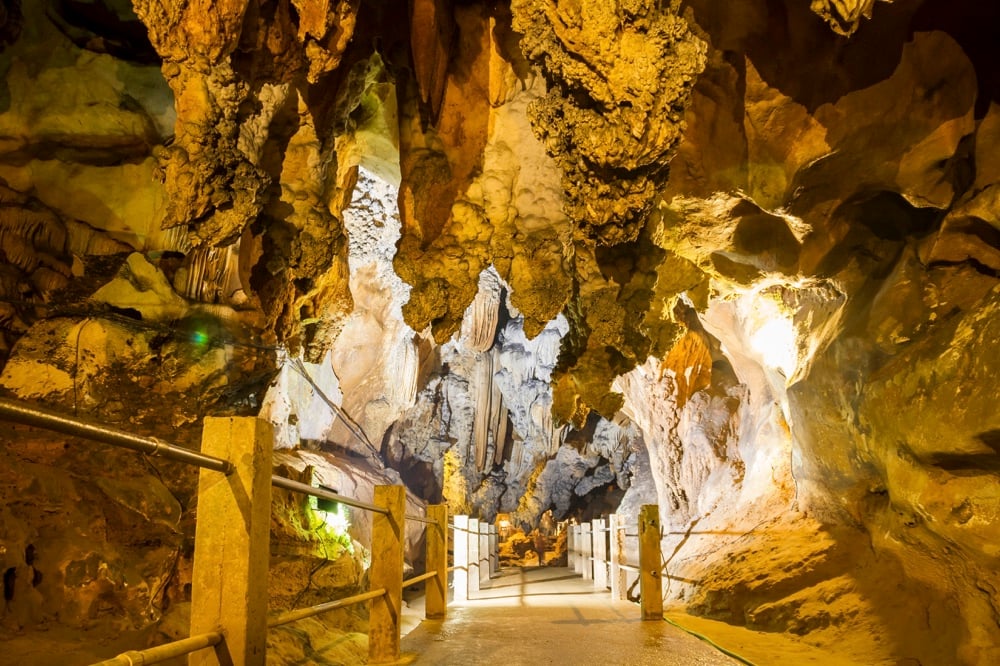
(604, 159)
(729, 257)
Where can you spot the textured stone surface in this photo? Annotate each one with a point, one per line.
(844, 17)
(567, 255)
(621, 78)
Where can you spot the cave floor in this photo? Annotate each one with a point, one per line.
(549, 615)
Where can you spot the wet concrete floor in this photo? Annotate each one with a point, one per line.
(549, 615)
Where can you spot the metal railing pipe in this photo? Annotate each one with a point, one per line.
(419, 579)
(419, 519)
(303, 613)
(43, 418)
(163, 652)
(456, 528)
(306, 489)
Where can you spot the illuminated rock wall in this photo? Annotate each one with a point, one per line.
(739, 259)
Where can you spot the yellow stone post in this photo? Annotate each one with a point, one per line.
(231, 552)
(437, 560)
(386, 572)
(650, 587)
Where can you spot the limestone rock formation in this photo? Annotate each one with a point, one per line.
(620, 76)
(736, 259)
(844, 17)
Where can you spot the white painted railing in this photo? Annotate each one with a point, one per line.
(597, 551)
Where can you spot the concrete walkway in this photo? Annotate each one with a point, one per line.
(550, 615)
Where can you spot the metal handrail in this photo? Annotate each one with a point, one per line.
(303, 613)
(160, 653)
(419, 579)
(452, 526)
(49, 420)
(306, 489)
(43, 418)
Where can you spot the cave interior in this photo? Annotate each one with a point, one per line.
(529, 258)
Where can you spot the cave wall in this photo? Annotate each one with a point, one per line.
(739, 259)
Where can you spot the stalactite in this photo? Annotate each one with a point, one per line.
(211, 275)
(479, 327)
(31, 238)
(497, 413)
(484, 392)
(83, 241)
(404, 389)
(489, 432)
(501, 437)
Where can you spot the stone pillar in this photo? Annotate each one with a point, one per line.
(437, 560)
(600, 555)
(588, 549)
(650, 586)
(231, 552)
(615, 541)
(386, 572)
(473, 556)
(461, 550)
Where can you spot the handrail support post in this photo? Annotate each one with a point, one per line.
(615, 543)
(600, 554)
(229, 578)
(461, 550)
(650, 581)
(437, 560)
(474, 556)
(387, 572)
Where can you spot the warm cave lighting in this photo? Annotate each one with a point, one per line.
(773, 335)
(335, 515)
(503, 527)
(774, 341)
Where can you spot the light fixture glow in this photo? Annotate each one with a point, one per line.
(775, 342)
(334, 514)
(337, 519)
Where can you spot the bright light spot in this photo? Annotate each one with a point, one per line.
(774, 337)
(200, 338)
(337, 520)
